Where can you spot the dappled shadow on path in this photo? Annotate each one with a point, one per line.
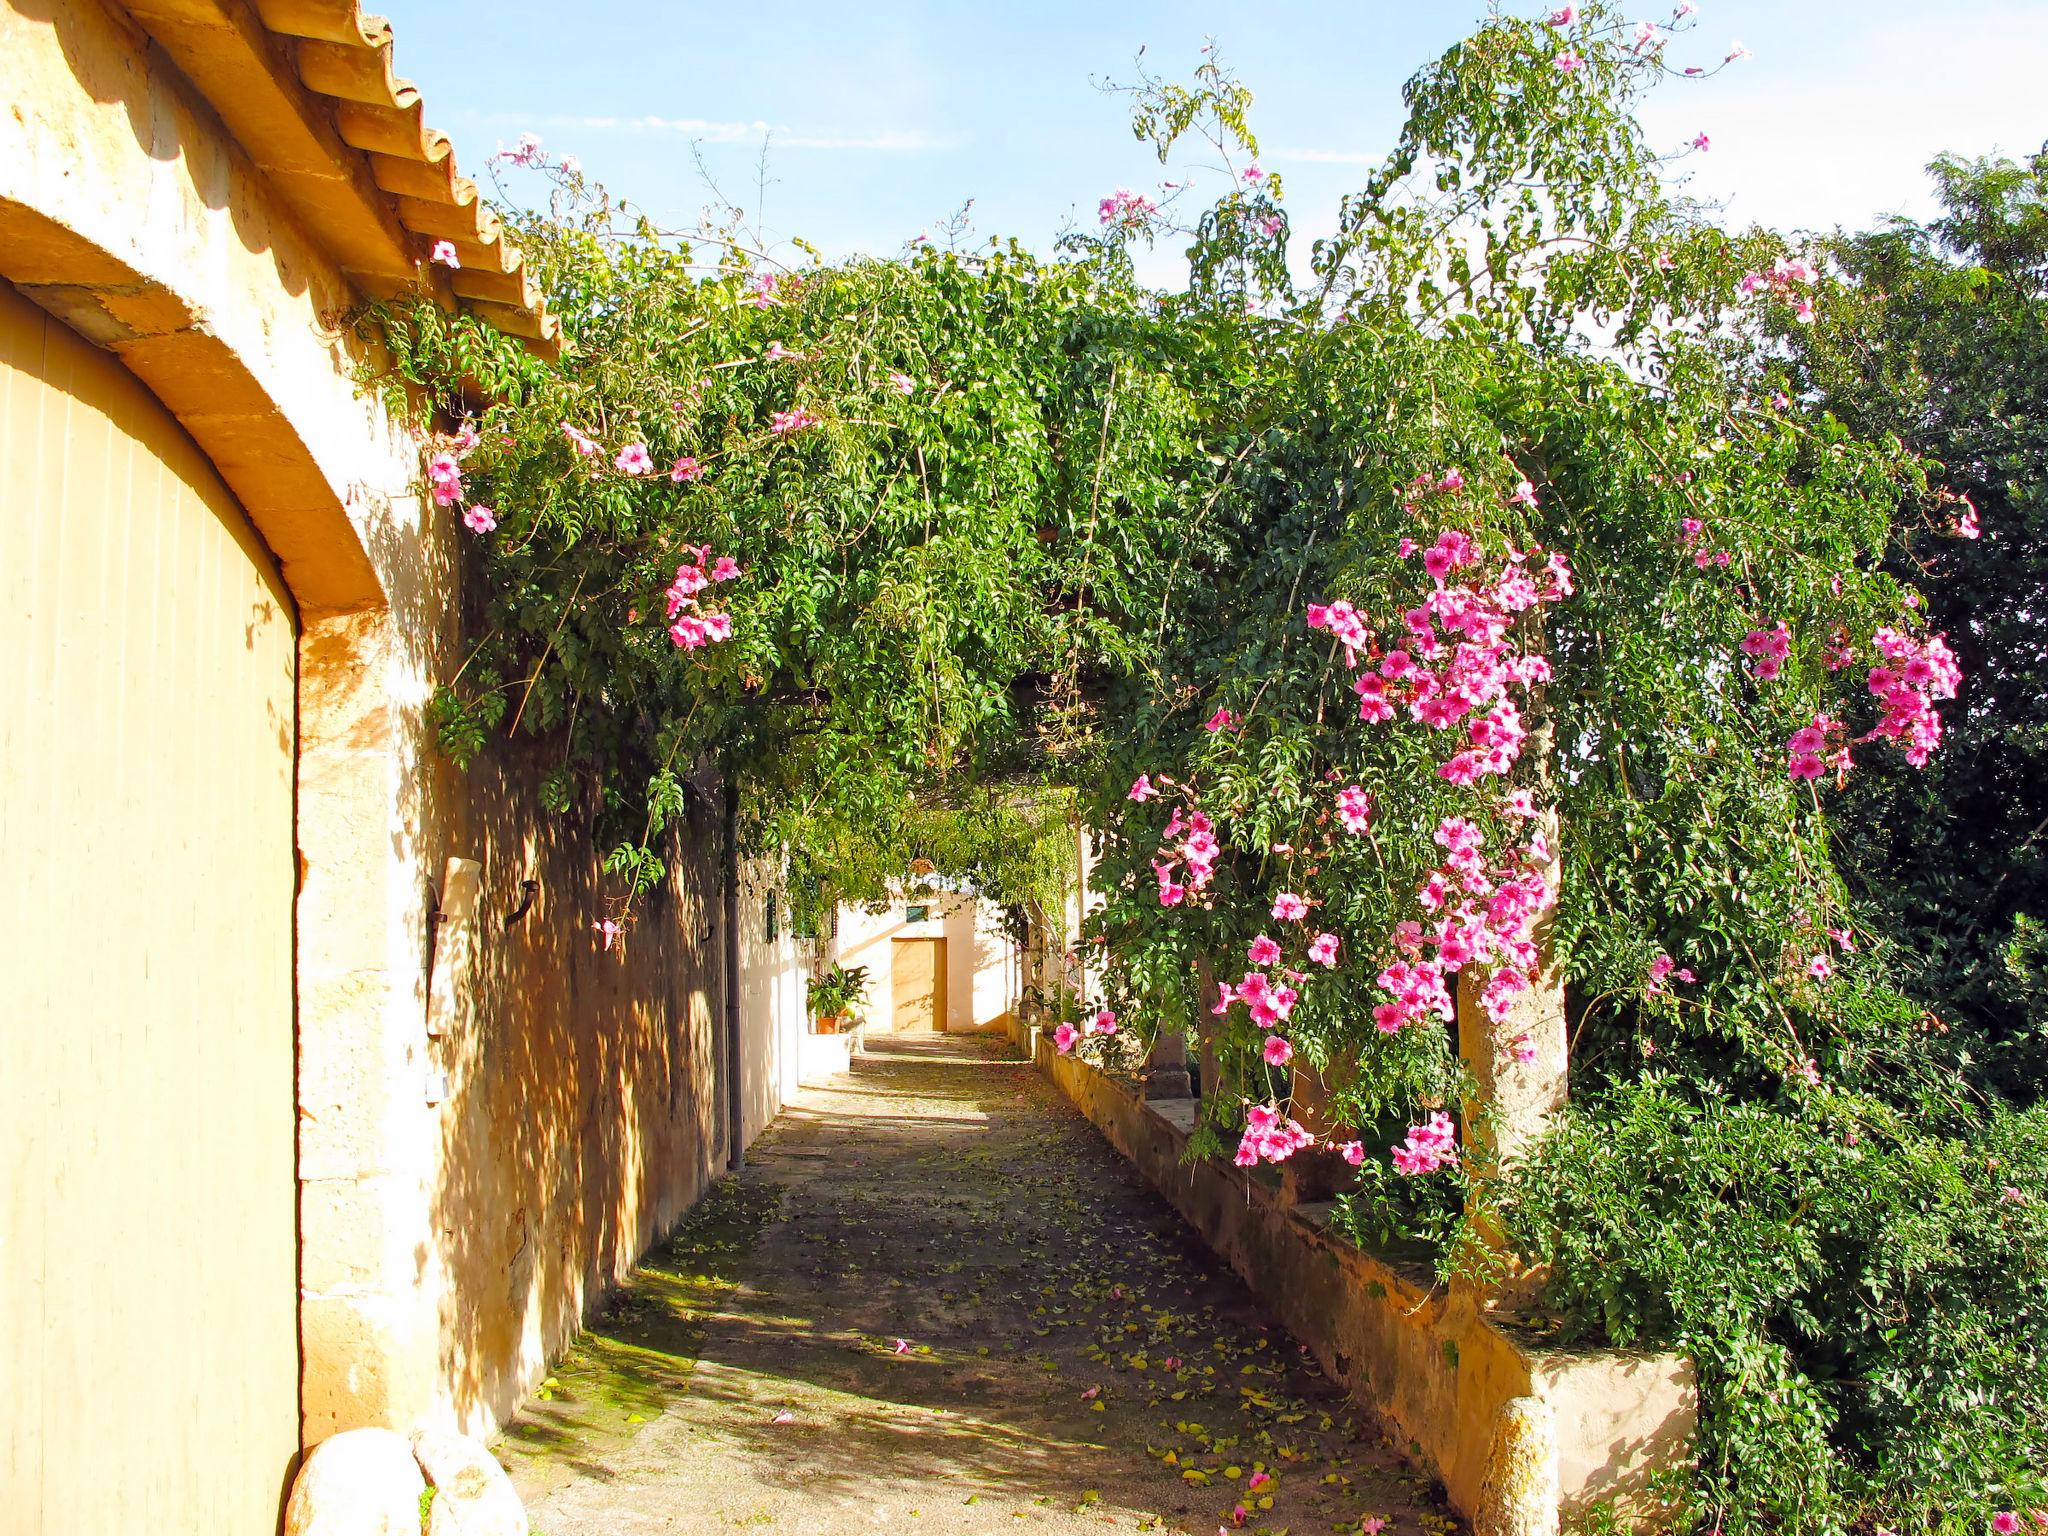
(936, 1295)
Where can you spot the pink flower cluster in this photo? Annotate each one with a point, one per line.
(1430, 1146)
(782, 423)
(1783, 280)
(1425, 485)
(1662, 969)
(1270, 1138)
(1767, 650)
(527, 152)
(1467, 669)
(1345, 622)
(1354, 809)
(689, 626)
(1455, 666)
(1127, 209)
(1198, 849)
(1066, 1036)
(1269, 1004)
(1418, 990)
(1914, 674)
(444, 482)
(1485, 914)
(1967, 526)
(444, 479)
(1693, 531)
(1921, 671)
(1813, 749)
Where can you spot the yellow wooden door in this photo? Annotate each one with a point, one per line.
(148, 1256)
(918, 982)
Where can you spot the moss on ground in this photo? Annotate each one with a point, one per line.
(636, 1353)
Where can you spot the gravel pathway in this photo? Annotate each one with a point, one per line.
(936, 1301)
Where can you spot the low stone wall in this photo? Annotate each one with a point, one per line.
(1520, 1434)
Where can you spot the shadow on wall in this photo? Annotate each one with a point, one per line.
(101, 57)
(585, 1115)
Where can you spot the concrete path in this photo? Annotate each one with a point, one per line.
(936, 1301)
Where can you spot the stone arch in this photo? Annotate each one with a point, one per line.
(209, 387)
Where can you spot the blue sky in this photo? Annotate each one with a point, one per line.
(886, 115)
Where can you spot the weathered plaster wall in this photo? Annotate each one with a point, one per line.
(584, 1114)
(451, 1232)
(773, 974)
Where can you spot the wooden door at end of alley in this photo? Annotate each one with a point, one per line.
(918, 984)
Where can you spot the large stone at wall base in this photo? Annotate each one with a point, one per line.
(1460, 1382)
(472, 1495)
(361, 1482)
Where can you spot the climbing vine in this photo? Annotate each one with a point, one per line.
(1468, 618)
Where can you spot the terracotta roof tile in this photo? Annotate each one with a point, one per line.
(345, 56)
(307, 89)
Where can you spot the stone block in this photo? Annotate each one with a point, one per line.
(362, 1482)
(472, 1495)
(367, 1362)
(359, 1235)
(1432, 1361)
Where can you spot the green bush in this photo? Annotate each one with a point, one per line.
(1864, 1290)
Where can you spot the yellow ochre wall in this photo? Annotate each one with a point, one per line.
(461, 1198)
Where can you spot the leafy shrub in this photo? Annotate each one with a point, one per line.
(840, 991)
(1864, 1291)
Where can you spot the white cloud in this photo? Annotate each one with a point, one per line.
(714, 131)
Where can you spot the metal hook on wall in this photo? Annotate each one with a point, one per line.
(528, 889)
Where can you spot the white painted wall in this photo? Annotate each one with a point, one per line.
(774, 974)
(982, 974)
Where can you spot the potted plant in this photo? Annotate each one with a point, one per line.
(835, 995)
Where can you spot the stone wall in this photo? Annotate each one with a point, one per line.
(585, 1111)
(1456, 1383)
